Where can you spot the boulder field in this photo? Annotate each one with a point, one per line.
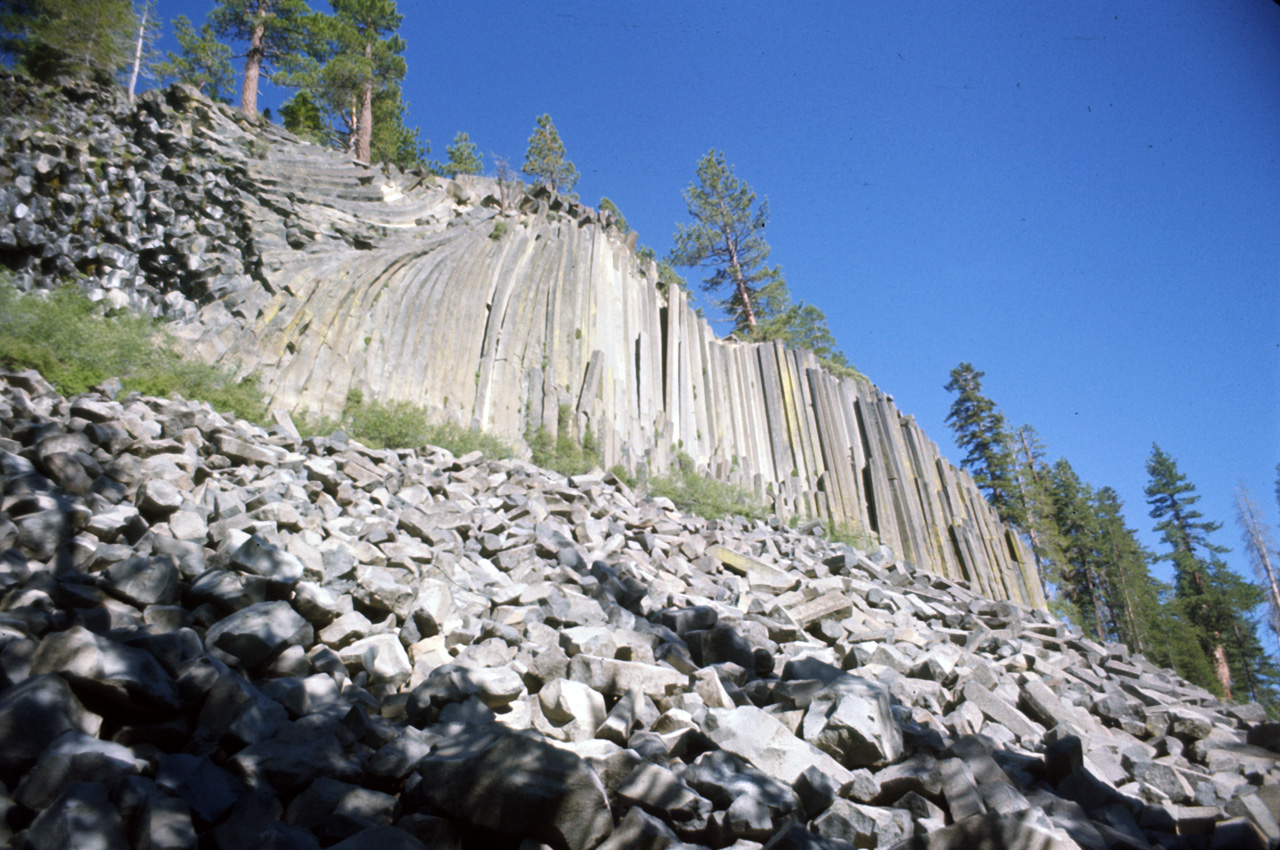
(215, 636)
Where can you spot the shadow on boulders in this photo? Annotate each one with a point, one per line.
(213, 637)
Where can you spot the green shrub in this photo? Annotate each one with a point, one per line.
(402, 425)
(855, 536)
(76, 345)
(705, 496)
(499, 230)
(564, 454)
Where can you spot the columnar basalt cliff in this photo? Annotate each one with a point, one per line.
(488, 304)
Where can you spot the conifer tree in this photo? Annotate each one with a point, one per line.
(143, 47)
(464, 157)
(1213, 599)
(1125, 568)
(980, 431)
(303, 117)
(81, 38)
(545, 159)
(1260, 545)
(367, 59)
(203, 62)
(277, 32)
(727, 237)
(619, 220)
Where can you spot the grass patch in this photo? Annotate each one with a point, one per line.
(704, 496)
(564, 453)
(76, 345)
(855, 536)
(402, 425)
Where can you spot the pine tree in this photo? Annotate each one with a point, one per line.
(1260, 546)
(727, 237)
(545, 158)
(619, 220)
(981, 433)
(80, 38)
(392, 141)
(1125, 567)
(203, 62)
(143, 47)
(303, 117)
(464, 157)
(1213, 599)
(278, 32)
(1031, 509)
(1082, 581)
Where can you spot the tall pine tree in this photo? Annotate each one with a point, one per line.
(81, 38)
(980, 431)
(277, 33)
(1215, 600)
(727, 237)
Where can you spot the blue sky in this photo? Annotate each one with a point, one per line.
(1081, 199)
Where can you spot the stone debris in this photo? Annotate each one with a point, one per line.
(473, 653)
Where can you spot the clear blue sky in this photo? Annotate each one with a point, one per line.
(1082, 199)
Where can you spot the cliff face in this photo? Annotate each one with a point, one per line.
(495, 306)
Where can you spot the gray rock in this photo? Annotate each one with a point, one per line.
(515, 784)
(106, 669)
(257, 633)
(850, 720)
(34, 714)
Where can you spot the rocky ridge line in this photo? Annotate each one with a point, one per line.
(218, 636)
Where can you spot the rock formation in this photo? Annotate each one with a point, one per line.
(485, 303)
(218, 636)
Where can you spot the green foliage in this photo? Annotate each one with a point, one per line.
(279, 35)
(980, 432)
(302, 116)
(704, 495)
(499, 230)
(1216, 602)
(353, 67)
(464, 157)
(727, 237)
(81, 38)
(564, 453)
(392, 141)
(403, 425)
(203, 61)
(856, 536)
(545, 158)
(76, 346)
(619, 220)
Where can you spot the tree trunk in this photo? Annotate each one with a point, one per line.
(1221, 670)
(364, 147)
(1260, 547)
(252, 69)
(739, 280)
(137, 52)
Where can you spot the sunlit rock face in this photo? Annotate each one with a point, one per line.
(491, 304)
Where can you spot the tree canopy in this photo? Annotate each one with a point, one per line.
(203, 61)
(980, 431)
(545, 159)
(727, 238)
(464, 157)
(278, 32)
(82, 38)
